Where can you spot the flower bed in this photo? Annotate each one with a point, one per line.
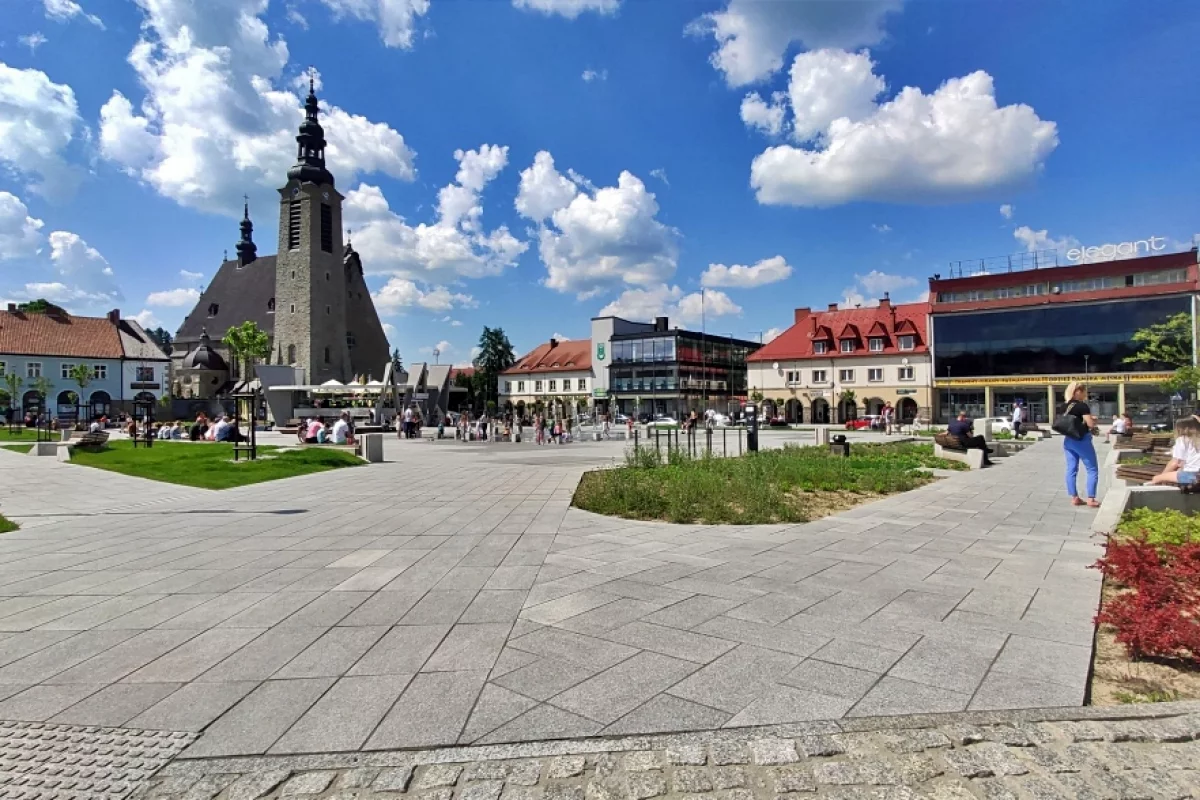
(1151, 609)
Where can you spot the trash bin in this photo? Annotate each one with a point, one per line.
(840, 446)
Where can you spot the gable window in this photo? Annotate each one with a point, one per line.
(326, 355)
(326, 228)
(350, 340)
(847, 345)
(33, 369)
(100, 372)
(876, 345)
(818, 376)
(875, 374)
(846, 375)
(508, 387)
(327, 275)
(213, 308)
(906, 374)
(294, 219)
(820, 347)
(271, 306)
(907, 342)
(292, 353)
(66, 370)
(326, 309)
(553, 386)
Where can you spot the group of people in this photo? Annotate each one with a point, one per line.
(546, 430)
(221, 429)
(319, 430)
(408, 423)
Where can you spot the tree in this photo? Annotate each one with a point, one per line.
(82, 375)
(756, 396)
(465, 381)
(1167, 342)
(161, 337)
(39, 306)
(41, 384)
(247, 343)
(397, 363)
(495, 356)
(14, 383)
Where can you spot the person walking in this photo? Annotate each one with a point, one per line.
(1018, 416)
(1077, 443)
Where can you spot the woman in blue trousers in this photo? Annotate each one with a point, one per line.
(1080, 449)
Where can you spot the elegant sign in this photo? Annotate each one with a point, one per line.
(906, 391)
(600, 351)
(600, 394)
(1110, 252)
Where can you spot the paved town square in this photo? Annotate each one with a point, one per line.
(452, 596)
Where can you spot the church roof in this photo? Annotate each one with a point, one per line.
(235, 295)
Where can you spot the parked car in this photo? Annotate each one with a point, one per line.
(998, 424)
(869, 422)
(619, 418)
(663, 422)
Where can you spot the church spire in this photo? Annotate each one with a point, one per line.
(310, 150)
(247, 251)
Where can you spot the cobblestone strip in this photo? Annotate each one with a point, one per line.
(1151, 756)
(65, 762)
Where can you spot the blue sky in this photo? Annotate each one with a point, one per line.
(530, 163)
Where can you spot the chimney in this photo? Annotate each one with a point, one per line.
(886, 302)
(660, 324)
(553, 343)
(114, 316)
(833, 306)
(801, 315)
(12, 308)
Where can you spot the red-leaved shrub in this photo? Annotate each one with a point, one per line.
(1159, 613)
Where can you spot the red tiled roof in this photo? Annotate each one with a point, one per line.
(456, 371)
(796, 341)
(570, 355)
(36, 334)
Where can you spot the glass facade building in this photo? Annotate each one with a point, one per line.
(1049, 340)
(675, 372)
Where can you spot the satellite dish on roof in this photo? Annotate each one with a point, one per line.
(775, 365)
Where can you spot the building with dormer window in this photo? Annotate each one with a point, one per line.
(839, 364)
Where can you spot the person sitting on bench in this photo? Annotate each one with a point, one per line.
(963, 430)
(1185, 454)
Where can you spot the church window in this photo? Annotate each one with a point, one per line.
(291, 354)
(326, 274)
(293, 308)
(327, 309)
(326, 355)
(350, 341)
(293, 274)
(294, 220)
(271, 306)
(326, 228)
(212, 309)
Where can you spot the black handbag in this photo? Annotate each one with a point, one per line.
(1070, 425)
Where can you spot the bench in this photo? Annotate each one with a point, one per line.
(91, 440)
(947, 447)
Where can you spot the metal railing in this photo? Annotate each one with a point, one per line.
(1016, 262)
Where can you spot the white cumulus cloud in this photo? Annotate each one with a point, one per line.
(753, 36)
(1042, 240)
(644, 305)
(954, 143)
(396, 19)
(173, 298)
(1007, 210)
(146, 319)
(590, 75)
(764, 116)
(591, 238)
(869, 289)
(769, 270)
(455, 245)
(770, 334)
(219, 115)
(38, 121)
(188, 275)
(400, 293)
(66, 10)
(33, 41)
(20, 234)
(568, 8)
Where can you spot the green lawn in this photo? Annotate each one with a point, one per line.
(792, 484)
(17, 448)
(209, 465)
(7, 525)
(20, 435)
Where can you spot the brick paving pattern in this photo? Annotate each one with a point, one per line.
(452, 596)
(1155, 756)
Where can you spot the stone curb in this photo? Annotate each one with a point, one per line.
(195, 767)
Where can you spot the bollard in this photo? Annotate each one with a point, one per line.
(708, 435)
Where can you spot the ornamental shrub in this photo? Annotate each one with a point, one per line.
(1160, 527)
(1158, 614)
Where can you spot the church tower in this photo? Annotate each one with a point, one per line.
(310, 281)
